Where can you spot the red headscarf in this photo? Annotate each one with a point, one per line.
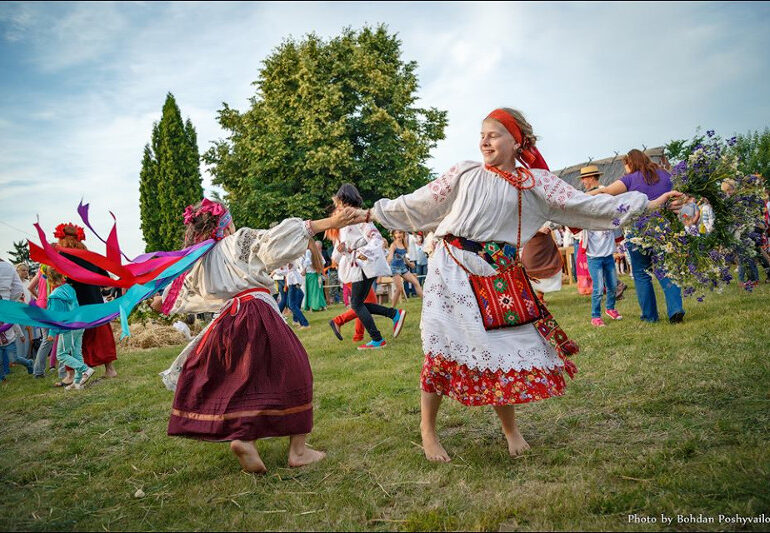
(530, 156)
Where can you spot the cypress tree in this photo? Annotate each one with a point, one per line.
(170, 179)
(148, 200)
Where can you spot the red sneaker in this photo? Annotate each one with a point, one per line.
(598, 322)
(373, 345)
(613, 314)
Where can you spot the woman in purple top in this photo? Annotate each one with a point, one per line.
(645, 176)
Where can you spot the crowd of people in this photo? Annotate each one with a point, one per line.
(360, 263)
(74, 354)
(487, 335)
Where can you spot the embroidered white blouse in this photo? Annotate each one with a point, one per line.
(472, 202)
(238, 262)
(361, 239)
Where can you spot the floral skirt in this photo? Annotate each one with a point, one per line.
(486, 387)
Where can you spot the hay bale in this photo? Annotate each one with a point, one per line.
(151, 335)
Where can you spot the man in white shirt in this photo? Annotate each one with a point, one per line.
(600, 250)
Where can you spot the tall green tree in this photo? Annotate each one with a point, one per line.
(753, 149)
(325, 113)
(170, 178)
(20, 253)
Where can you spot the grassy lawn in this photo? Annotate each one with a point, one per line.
(661, 419)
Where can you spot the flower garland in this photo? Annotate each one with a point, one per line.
(694, 259)
(60, 232)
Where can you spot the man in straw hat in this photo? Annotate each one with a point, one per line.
(600, 250)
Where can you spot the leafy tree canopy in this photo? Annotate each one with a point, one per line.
(325, 113)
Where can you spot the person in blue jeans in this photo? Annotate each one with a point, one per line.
(601, 266)
(645, 294)
(645, 176)
(295, 294)
(8, 351)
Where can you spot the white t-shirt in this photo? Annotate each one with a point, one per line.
(600, 243)
(182, 328)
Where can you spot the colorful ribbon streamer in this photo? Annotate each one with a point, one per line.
(89, 316)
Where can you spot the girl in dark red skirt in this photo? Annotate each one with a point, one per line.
(246, 376)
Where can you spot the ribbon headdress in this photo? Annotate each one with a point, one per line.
(143, 276)
(530, 156)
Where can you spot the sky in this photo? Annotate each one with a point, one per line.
(82, 83)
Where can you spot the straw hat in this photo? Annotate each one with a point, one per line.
(590, 171)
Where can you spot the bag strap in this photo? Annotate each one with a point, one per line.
(449, 251)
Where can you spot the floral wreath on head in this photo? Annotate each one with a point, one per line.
(213, 208)
(60, 232)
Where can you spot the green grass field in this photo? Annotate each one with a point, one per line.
(661, 419)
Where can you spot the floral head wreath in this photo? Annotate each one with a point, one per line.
(60, 232)
(214, 209)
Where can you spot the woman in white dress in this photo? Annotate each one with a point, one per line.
(472, 205)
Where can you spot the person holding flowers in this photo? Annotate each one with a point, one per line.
(472, 208)
(648, 178)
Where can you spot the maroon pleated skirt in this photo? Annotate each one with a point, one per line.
(249, 379)
(99, 346)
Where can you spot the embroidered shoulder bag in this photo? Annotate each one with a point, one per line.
(506, 298)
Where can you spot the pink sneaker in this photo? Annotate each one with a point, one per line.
(598, 322)
(613, 314)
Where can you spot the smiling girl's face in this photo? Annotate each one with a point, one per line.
(497, 145)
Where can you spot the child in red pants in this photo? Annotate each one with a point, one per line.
(340, 320)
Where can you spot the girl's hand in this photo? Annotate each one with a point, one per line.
(341, 247)
(157, 303)
(663, 201)
(345, 217)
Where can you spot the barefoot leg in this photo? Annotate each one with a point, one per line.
(516, 443)
(429, 404)
(248, 456)
(300, 454)
(109, 370)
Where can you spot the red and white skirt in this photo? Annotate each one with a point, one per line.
(486, 387)
(469, 363)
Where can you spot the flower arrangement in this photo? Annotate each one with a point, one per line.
(693, 259)
(74, 231)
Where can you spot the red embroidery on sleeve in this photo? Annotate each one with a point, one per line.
(440, 187)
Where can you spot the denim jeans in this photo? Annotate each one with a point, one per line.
(8, 356)
(640, 262)
(42, 355)
(747, 263)
(602, 270)
(295, 304)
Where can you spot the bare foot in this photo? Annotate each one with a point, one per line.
(516, 444)
(433, 449)
(109, 371)
(305, 457)
(248, 456)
